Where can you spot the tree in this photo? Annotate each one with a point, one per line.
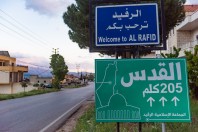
(24, 85)
(192, 63)
(91, 77)
(77, 19)
(59, 69)
(172, 55)
(81, 76)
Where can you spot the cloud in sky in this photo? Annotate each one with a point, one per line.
(19, 55)
(190, 2)
(43, 63)
(48, 7)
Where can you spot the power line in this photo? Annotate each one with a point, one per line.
(33, 64)
(43, 72)
(17, 32)
(30, 33)
(4, 31)
(27, 33)
(19, 23)
(21, 35)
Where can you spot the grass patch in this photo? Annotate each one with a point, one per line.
(75, 86)
(24, 94)
(87, 123)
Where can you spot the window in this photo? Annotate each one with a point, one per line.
(2, 63)
(10, 76)
(44, 81)
(38, 81)
(173, 31)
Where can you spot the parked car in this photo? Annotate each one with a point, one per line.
(47, 85)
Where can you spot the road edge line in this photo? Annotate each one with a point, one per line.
(61, 116)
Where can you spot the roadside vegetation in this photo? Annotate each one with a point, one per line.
(75, 86)
(24, 94)
(87, 123)
(59, 69)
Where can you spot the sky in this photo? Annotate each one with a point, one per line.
(30, 29)
(189, 2)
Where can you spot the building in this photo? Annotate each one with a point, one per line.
(10, 74)
(70, 79)
(34, 79)
(185, 35)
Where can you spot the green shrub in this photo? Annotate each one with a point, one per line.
(35, 85)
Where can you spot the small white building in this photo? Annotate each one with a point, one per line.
(185, 35)
(34, 79)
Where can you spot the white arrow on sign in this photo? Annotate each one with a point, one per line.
(175, 99)
(151, 100)
(163, 100)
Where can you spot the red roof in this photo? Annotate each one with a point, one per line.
(190, 8)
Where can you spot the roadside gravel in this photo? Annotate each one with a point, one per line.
(72, 121)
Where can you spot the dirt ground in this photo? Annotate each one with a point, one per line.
(71, 122)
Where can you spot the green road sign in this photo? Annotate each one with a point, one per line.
(142, 90)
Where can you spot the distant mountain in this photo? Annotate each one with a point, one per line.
(78, 74)
(42, 72)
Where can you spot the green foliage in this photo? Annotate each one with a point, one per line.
(87, 123)
(172, 55)
(55, 83)
(35, 85)
(174, 13)
(81, 76)
(90, 77)
(41, 85)
(59, 69)
(75, 86)
(192, 63)
(77, 19)
(24, 85)
(30, 93)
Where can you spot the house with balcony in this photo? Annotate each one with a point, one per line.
(10, 74)
(185, 35)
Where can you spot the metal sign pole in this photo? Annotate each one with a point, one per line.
(137, 55)
(117, 127)
(163, 127)
(117, 124)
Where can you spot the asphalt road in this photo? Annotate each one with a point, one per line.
(35, 113)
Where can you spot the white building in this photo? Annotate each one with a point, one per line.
(185, 35)
(36, 79)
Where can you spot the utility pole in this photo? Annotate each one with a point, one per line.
(78, 67)
(55, 50)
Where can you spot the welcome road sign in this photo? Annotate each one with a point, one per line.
(119, 25)
(141, 90)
